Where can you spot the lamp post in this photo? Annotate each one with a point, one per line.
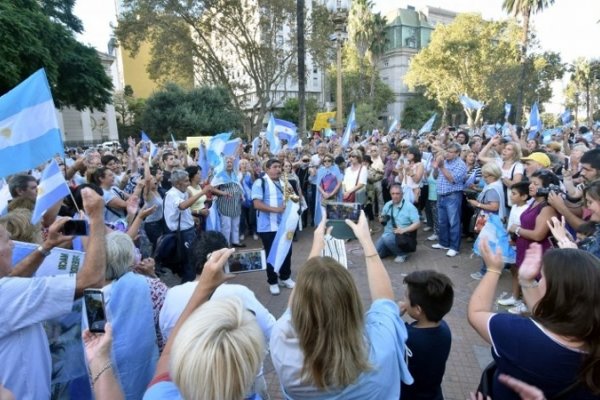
(339, 10)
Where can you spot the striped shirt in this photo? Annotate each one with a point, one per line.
(458, 170)
(230, 206)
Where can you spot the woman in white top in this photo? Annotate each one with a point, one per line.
(412, 173)
(355, 179)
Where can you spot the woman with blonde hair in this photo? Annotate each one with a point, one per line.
(325, 346)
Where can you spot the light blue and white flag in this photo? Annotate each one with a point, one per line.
(255, 145)
(565, 117)
(547, 136)
(507, 108)
(272, 137)
(506, 130)
(215, 151)
(535, 121)
(231, 147)
(588, 136)
(469, 103)
(393, 125)
(349, 127)
(213, 221)
(490, 131)
(203, 161)
(52, 188)
(283, 237)
(328, 132)
(5, 197)
(287, 131)
(173, 142)
(153, 148)
(428, 125)
(29, 131)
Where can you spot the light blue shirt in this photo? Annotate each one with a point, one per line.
(403, 214)
(386, 337)
(271, 194)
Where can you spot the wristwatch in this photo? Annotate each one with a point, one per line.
(44, 253)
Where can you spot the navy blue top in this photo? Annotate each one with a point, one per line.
(430, 348)
(523, 350)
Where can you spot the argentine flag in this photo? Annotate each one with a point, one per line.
(428, 125)
(285, 233)
(231, 147)
(203, 161)
(29, 132)
(469, 103)
(272, 137)
(349, 126)
(507, 108)
(393, 125)
(51, 189)
(565, 117)
(215, 151)
(534, 123)
(287, 131)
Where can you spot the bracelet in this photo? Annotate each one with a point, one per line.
(494, 271)
(372, 255)
(106, 367)
(44, 253)
(531, 285)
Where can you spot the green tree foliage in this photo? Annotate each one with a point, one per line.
(200, 111)
(481, 59)
(585, 81)
(367, 117)
(36, 34)
(418, 110)
(129, 110)
(290, 111)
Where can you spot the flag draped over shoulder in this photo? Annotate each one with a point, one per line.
(51, 189)
(351, 124)
(29, 131)
(283, 237)
(428, 125)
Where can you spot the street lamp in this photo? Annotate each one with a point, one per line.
(339, 10)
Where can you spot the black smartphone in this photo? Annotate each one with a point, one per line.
(246, 261)
(94, 310)
(76, 227)
(337, 213)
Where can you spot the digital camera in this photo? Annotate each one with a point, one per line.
(545, 191)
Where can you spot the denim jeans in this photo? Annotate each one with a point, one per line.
(386, 246)
(449, 214)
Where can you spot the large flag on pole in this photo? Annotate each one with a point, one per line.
(215, 151)
(428, 125)
(203, 161)
(349, 126)
(272, 137)
(285, 234)
(29, 131)
(51, 189)
(507, 108)
(286, 130)
(565, 117)
(393, 125)
(469, 103)
(173, 142)
(535, 121)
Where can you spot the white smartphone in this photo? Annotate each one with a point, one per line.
(246, 261)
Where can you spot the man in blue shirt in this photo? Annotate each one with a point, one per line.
(400, 218)
(268, 200)
(450, 171)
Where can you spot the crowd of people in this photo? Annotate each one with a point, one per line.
(207, 339)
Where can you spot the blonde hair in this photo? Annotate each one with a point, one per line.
(217, 352)
(328, 317)
(120, 254)
(517, 151)
(491, 169)
(18, 224)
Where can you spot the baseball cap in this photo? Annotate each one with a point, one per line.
(539, 158)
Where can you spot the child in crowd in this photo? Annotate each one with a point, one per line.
(429, 296)
(519, 196)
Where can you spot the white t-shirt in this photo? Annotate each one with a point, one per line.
(350, 177)
(172, 211)
(178, 296)
(515, 169)
(514, 218)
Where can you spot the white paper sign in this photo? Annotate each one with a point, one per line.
(59, 262)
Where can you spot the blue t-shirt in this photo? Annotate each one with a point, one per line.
(404, 214)
(169, 391)
(430, 349)
(523, 350)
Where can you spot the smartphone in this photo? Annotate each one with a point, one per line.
(246, 261)
(76, 227)
(337, 213)
(94, 310)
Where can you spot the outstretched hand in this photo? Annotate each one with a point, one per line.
(213, 274)
(360, 229)
(493, 260)
(319, 235)
(532, 263)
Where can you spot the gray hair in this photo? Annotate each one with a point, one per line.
(20, 182)
(456, 146)
(120, 254)
(178, 175)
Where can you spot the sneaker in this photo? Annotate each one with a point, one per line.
(255, 236)
(400, 259)
(433, 238)
(451, 253)
(439, 247)
(288, 283)
(427, 229)
(519, 308)
(477, 275)
(508, 301)
(274, 289)
(242, 237)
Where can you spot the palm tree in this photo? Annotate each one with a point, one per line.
(360, 31)
(377, 46)
(524, 9)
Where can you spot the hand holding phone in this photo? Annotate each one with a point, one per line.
(76, 227)
(246, 261)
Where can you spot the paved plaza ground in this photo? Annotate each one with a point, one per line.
(469, 353)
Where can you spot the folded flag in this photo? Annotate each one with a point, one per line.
(469, 103)
(29, 131)
(428, 125)
(349, 127)
(285, 233)
(52, 188)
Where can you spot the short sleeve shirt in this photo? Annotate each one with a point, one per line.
(404, 214)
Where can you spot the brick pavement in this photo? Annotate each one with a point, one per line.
(469, 353)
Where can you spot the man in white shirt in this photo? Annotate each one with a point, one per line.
(178, 217)
(28, 301)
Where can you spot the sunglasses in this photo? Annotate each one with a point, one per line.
(305, 160)
(327, 161)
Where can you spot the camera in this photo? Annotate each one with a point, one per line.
(545, 191)
(385, 219)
